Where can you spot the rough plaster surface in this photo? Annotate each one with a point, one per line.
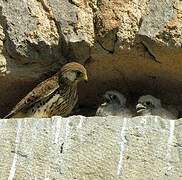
(132, 46)
(91, 148)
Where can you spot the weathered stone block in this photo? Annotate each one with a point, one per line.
(92, 148)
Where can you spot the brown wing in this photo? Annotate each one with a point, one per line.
(41, 91)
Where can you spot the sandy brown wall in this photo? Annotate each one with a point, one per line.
(133, 46)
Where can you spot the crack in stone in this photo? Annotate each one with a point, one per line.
(150, 53)
(49, 14)
(19, 153)
(105, 49)
(4, 24)
(89, 60)
(74, 2)
(114, 45)
(45, 6)
(61, 148)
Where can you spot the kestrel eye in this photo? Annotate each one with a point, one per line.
(78, 73)
(114, 97)
(148, 103)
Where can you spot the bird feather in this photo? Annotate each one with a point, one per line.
(42, 90)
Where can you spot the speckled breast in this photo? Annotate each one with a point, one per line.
(55, 105)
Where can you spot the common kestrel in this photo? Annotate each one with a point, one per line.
(56, 95)
(149, 105)
(114, 105)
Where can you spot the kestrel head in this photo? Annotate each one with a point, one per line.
(114, 97)
(73, 72)
(147, 103)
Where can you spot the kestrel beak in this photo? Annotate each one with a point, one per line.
(140, 107)
(85, 78)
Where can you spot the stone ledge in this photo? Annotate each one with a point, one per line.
(91, 148)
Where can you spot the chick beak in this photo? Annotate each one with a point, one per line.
(105, 101)
(140, 107)
(104, 104)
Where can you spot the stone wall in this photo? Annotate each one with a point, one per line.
(80, 148)
(133, 46)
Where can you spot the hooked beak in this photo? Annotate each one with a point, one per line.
(105, 101)
(85, 78)
(140, 107)
(104, 104)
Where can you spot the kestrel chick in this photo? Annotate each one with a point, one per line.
(149, 105)
(56, 95)
(114, 105)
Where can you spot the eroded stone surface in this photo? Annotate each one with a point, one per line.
(132, 46)
(2, 58)
(91, 148)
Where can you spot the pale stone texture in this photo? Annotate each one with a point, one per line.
(2, 58)
(92, 148)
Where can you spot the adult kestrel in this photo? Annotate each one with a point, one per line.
(149, 105)
(56, 95)
(114, 105)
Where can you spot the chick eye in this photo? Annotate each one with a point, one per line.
(148, 103)
(107, 100)
(114, 97)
